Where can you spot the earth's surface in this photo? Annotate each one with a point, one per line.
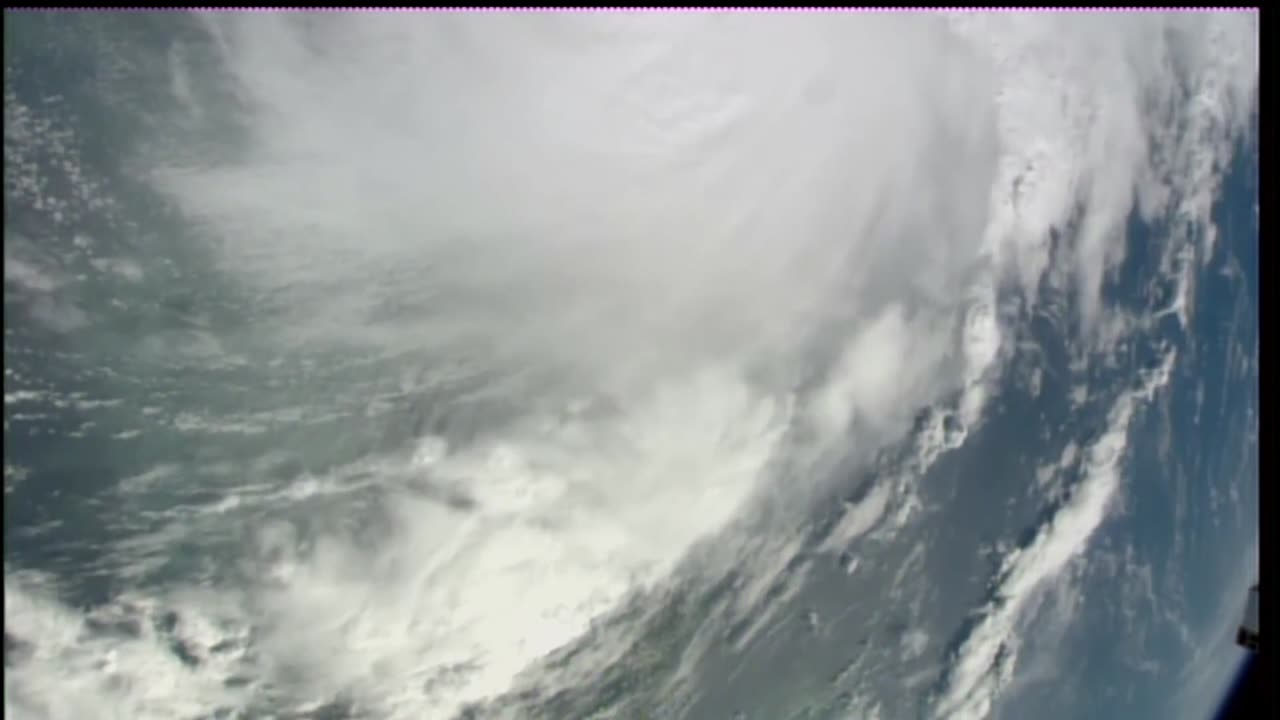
(656, 365)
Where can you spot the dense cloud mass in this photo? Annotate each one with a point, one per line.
(649, 277)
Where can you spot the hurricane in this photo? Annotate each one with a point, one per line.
(602, 364)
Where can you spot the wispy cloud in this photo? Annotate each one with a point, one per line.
(984, 663)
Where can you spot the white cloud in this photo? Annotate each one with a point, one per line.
(681, 218)
(1084, 97)
(985, 662)
(1108, 159)
(115, 663)
(677, 213)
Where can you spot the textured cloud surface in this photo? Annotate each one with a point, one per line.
(671, 251)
